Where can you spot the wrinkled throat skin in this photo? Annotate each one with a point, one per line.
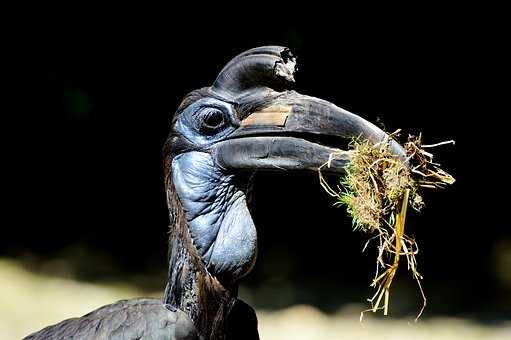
(217, 216)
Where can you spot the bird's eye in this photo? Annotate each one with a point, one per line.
(213, 120)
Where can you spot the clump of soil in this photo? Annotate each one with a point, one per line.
(376, 190)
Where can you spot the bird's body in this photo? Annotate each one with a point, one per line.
(144, 319)
(247, 121)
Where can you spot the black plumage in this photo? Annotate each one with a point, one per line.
(142, 319)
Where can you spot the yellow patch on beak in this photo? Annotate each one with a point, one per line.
(275, 115)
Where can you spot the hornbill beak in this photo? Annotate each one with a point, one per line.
(286, 130)
(299, 135)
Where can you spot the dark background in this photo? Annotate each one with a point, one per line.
(97, 93)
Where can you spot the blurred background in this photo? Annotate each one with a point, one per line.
(86, 222)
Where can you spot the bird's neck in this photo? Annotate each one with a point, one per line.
(190, 287)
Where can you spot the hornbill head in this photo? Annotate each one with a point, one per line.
(248, 120)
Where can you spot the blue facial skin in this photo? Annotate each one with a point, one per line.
(191, 122)
(213, 201)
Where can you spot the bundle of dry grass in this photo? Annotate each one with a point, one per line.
(376, 191)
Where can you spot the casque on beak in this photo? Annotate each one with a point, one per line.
(289, 131)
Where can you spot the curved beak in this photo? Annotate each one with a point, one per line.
(296, 132)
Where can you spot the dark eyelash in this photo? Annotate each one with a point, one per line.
(212, 121)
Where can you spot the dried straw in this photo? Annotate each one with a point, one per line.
(377, 188)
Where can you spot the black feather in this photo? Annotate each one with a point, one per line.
(125, 319)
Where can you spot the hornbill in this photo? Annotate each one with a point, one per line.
(248, 120)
